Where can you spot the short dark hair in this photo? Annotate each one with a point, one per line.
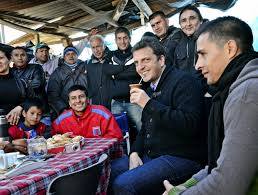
(152, 43)
(149, 35)
(6, 53)
(193, 8)
(157, 13)
(28, 103)
(20, 48)
(122, 29)
(77, 87)
(225, 28)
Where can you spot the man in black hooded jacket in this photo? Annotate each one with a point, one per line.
(99, 84)
(169, 36)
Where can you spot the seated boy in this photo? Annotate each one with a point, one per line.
(29, 125)
(86, 120)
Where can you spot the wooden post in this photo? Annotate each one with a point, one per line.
(37, 38)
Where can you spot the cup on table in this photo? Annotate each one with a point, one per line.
(8, 160)
(136, 85)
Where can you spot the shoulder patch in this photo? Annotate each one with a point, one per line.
(63, 116)
(101, 112)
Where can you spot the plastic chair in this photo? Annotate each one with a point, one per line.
(84, 181)
(124, 126)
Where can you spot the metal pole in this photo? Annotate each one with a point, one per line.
(2, 35)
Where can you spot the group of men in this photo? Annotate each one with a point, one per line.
(170, 114)
(171, 144)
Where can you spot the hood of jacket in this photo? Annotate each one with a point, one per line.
(250, 71)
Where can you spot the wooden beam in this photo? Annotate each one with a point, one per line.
(119, 9)
(14, 5)
(91, 11)
(143, 6)
(115, 2)
(37, 38)
(66, 42)
(22, 39)
(21, 18)
(160, 5)
(88, 20)
(56, 40)
(44, 24)
(16, 26)
(27, 30)
(39, 6)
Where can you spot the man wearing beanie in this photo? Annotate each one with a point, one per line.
(50, 62)
(70, 71)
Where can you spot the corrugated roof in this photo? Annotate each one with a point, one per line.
(54, 20)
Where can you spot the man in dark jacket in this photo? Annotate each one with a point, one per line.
(172, 140)
(31, 74)
(99, 83)
(190, 19)
(169, 36)
(123, 73)
(70, 72)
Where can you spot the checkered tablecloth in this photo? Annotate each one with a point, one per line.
(37, 181)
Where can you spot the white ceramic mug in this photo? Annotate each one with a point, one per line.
(7, 160)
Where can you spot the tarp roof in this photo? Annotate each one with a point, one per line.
(51, 21)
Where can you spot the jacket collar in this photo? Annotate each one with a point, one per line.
(107, 56)
(164, 74)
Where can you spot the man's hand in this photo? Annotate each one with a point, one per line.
(139, 96)
(13, 116)
(92, 32)
(134, 161)
(168, 187)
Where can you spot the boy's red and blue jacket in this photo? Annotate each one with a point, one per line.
(21, 131)
(97, 121)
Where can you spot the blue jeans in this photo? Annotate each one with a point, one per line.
(148, 178)
(134, 112)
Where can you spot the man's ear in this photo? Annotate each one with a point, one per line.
(69, 103)
(167, 21)
(162, 60)
(232, 49)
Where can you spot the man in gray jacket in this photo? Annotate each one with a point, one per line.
(228, 61)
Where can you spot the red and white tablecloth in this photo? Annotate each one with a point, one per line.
(37, 181)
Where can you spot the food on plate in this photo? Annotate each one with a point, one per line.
(77, 138)
(60, 140)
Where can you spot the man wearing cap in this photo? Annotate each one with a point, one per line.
(42, 57)
(49, 64)
(70, 71)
